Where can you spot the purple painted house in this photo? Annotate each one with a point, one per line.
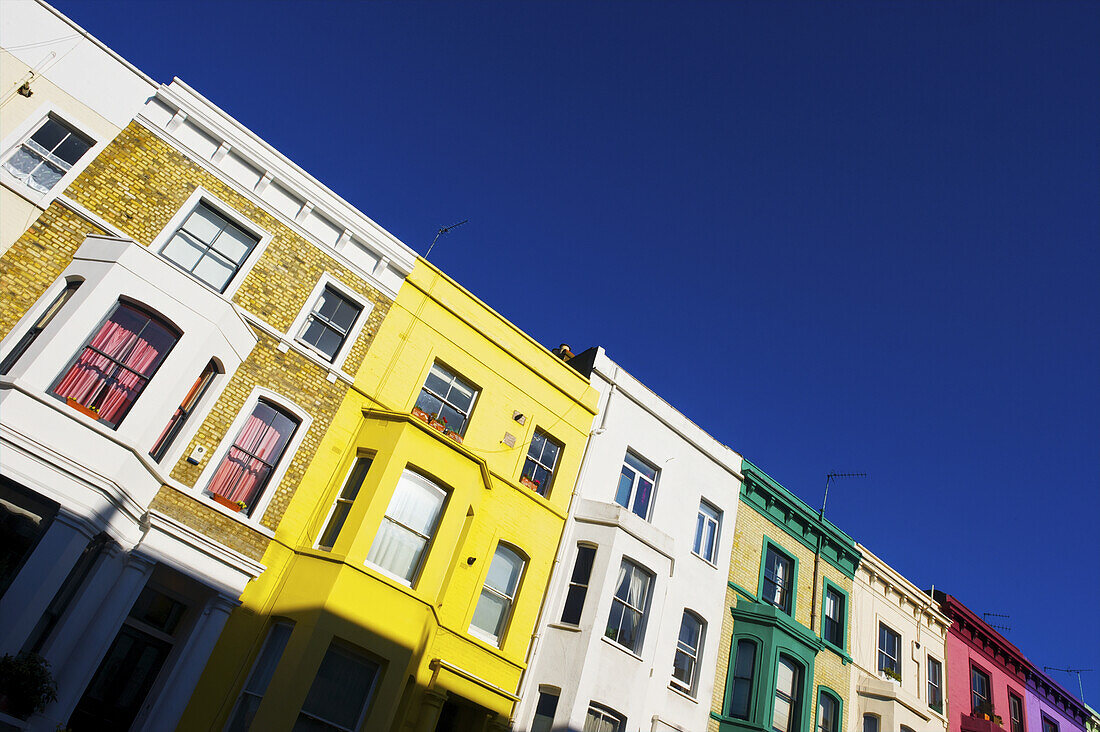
(1050, 708)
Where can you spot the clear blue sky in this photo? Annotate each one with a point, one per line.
(839, 236)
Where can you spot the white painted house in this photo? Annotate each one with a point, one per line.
(898, 648)
(628, 638)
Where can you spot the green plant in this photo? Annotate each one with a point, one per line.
(892, 674)
(27, 684)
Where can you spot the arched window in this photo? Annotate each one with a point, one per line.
(112, 369)
(498, 595)
(828, 712)
(408, 526)
(788, 680)
(744, 669)
(870, 723)
(247, 465)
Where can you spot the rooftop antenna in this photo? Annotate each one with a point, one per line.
(1078, 671)
(443, 230)
(987, 616)
(829, 477)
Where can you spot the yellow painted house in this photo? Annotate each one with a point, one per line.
(404, 581)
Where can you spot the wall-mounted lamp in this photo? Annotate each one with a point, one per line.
(25, 90)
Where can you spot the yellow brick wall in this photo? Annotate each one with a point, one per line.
(36, 259)
(748, 544)
(137, 184)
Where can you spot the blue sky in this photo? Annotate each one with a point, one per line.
(839, 236)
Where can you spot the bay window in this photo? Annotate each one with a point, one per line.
(626, 623)
(112, 369)
(497, 596)
(407, 528)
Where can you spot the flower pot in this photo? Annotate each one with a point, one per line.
(439, 426)
(421, 414)
(529, 483)
(94, 414)
(231, 505)
(454, 436)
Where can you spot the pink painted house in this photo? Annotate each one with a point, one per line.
(986, 675)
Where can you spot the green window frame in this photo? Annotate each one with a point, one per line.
(827, 587)
(791, 586)
(838, 721)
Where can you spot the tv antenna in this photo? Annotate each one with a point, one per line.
(987, 616)
(1078, 671)
(829, 477)
(443, 230)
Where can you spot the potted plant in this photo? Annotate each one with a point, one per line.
(892, 674)
(26, 684)
(530, 482)
(454, 436)
(92, 412)
(421, 414)
(237, 506)
(985, 711)
(439, 422)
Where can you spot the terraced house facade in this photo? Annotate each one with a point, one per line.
(182, 320)
(785, 660)
(407, 574)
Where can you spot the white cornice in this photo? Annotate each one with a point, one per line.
(243, 142)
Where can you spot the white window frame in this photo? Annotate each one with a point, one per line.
(573, 583)
(627, 607)
(294, 333)
(928, 677)
(457, 377)
(694, 654)
(634, 485)
(410, 582)
(28, 127)
(881, 652)
(700, 530)
(201, 195)
(276, 478)
(606, 714)
(481, 633)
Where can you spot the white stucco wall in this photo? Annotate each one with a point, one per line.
(580, 661)
(881, 595)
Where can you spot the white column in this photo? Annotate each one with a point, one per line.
(39, 579)
(82, 610)
(100, 632)
(177, 688)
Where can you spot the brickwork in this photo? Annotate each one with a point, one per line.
(36, 259)
(139, 182)
(748, 544)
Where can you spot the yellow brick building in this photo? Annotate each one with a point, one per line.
(181, 324)
(433, 636)
(784, 660)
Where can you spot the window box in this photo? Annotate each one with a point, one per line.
(891, 674)
(529, 483)
(421, 415)
(439, 425)
(88, 411)
(237, 506)
(454, 436)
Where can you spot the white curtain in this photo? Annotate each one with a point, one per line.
(411, 517)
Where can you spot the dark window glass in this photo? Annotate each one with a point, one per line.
(545, 709)
(447, 399)
(111, 371)
(636, 482)
(542, 458)
(578, 584)
(827, 713)
(834, 617)
(1049, 725)
(935, 684)
(1015, 713)
(329, 323)
(254, 689)
(688, 646)
(889, 652)
(342, 507)
(45, 157)
(39, 325)
(60, 602)
(24, 518)
(788, 678)
(744, 667)
(979, 690)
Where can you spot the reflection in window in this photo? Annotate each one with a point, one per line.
(247, 466)
(498, 595)
(636, 481)
(447, 398)
(210, 247)
(743, 670)
(787, 680)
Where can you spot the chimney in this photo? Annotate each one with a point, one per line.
(563, 352)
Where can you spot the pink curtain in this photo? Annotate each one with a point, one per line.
(96, 380)
(246, 465)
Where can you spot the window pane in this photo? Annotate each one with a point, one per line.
(582, 568)
(214, 271)
(72, 149)
(574, 605)
(235, 244)
(183, 250)
(504, 571)
(490, 613)
(626, 485)
(416, 504)
(258, 680)
(396, 550)
(341, 689)
(204, 225)
(545, 710)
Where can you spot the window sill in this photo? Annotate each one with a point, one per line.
(704, 559)
(565, 626)
(622, 648)
(680, 692)
(845, 659)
